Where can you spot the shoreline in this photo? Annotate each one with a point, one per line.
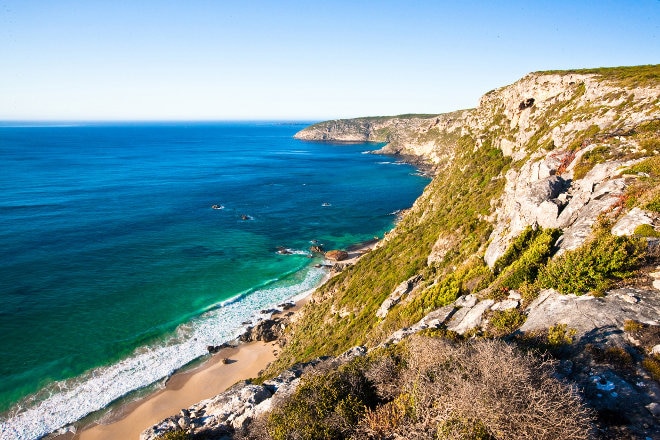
(188, 386)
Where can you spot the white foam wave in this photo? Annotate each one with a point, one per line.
(290, 251)
(73, 399)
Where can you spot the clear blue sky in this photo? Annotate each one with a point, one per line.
(216, 59)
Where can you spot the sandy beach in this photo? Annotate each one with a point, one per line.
(186, 388)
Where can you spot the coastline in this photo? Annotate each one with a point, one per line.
(211, 377)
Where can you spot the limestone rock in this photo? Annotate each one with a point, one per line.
(505, 305)
(629, 222)
(593, 317)
(393, 299)
(468, 301)
(471, 319)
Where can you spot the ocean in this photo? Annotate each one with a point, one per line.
(116, 269)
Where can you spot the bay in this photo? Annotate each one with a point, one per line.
(116, 269)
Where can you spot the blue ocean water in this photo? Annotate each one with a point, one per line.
(115, 270)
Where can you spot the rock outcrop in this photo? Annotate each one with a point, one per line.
(547, 122)
(393, 299)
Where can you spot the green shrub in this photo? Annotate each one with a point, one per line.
(516, 248)
(652, 365)
(324, 406)
(506, 321)
(523, 260)
(593, 266)
(560, 334)
(632, 326)
(653, 204)
(646, 231)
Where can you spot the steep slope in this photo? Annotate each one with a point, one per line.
(541, 226)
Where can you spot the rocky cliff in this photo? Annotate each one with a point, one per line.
(546, 123)
(540, 230)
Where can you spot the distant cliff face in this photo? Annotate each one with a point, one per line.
(408, 135)
(547, 123)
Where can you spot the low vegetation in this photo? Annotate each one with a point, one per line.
(594, 266)
(432, 388)
(624, 76)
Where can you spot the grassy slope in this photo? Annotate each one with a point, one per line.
(454, 206)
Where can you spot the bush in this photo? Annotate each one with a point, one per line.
(594, 265)
(324, 406)
(527, 257)
(652, 365)
(483, 389)
(615, 356)
(506, 321)
(646, 231)
(632, 326)
(560, 334)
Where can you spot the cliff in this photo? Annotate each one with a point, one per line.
(539, 233)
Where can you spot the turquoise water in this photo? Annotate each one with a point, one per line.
(116, 270)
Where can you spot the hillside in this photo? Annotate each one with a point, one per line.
(535, 245)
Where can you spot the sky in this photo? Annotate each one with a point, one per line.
(304, 60)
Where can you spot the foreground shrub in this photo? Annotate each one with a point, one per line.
(484, 389)
(506, 321)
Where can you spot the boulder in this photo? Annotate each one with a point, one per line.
(267, 330)
(336, 255)
(505, 305)
(593, 317)
(471, 318)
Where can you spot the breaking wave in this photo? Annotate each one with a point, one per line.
(65, 402)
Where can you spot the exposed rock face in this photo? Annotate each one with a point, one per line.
(409, 135)
(393, 299)
(542, 189)
(633, 219)
(266, 330)
(555, 202)
(587, 314)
